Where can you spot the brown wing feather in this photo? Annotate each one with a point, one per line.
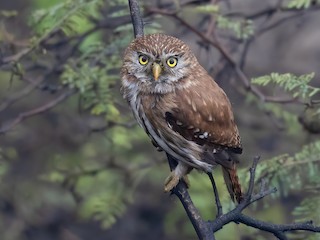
(204, 115)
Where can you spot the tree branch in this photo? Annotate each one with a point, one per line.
(202, 228)
(216, 195)
(136, 18)
(38, 110)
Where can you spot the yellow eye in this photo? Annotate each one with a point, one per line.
(143, 59)
(172, 62)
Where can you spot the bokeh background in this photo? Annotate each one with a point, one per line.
(74, 165)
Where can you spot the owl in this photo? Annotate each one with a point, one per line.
(181, 108)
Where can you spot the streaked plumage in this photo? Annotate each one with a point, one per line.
(180, 107)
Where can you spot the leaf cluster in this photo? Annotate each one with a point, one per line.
(94, 75)
(295, 172)
(101, 187)
(300, 4)
(242, 28)
(298, 86)
(70, 17)
(98, 187)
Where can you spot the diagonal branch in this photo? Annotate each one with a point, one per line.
(38, 110)
(202, 228)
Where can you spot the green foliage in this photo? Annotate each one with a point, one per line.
(88, 75)
(8, 14)
(286, 119)
(207, 8)
(298, 86)
(3, 165)
(242, 28)
(71, 17)
(298, 172)
(95, 72)
(107, 201)
(307, 210)
(100, 187)
(299, 4)
(295, 172)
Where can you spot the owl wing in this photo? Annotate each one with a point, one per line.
(204, 115)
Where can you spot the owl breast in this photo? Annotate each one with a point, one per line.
(150, 112)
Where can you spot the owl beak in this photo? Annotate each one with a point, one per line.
(156, 70)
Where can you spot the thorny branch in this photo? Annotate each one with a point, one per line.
(206, 229)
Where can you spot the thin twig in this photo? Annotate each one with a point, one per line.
(216, 195)
(237, 216)
(38, 110)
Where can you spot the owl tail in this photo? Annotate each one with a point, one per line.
(232, 181)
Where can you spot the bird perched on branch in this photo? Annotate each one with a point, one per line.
(181, 108)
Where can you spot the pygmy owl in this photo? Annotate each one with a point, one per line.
(181, 108)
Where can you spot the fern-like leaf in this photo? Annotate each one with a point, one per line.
(242, 28)
(293, 172)
(298, 86)
(299, 4)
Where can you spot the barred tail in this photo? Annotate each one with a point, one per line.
(232, 181)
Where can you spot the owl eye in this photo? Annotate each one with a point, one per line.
(143, 59)
(172, 62)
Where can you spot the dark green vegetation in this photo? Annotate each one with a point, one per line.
(73, 163)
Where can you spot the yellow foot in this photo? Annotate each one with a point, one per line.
(172, 180)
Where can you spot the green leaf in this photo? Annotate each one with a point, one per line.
(8, 14)
(299, 4)
(298, 86)
(207, 8)
(242, 28)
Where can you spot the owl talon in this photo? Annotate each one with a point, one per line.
(172, 181)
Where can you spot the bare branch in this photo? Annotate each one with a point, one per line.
(136, 18)
(38, 110)
(216, 195)
(237, 216)
(202, 228)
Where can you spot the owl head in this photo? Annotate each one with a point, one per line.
(157, 62)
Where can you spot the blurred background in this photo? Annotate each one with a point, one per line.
(74, 165)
